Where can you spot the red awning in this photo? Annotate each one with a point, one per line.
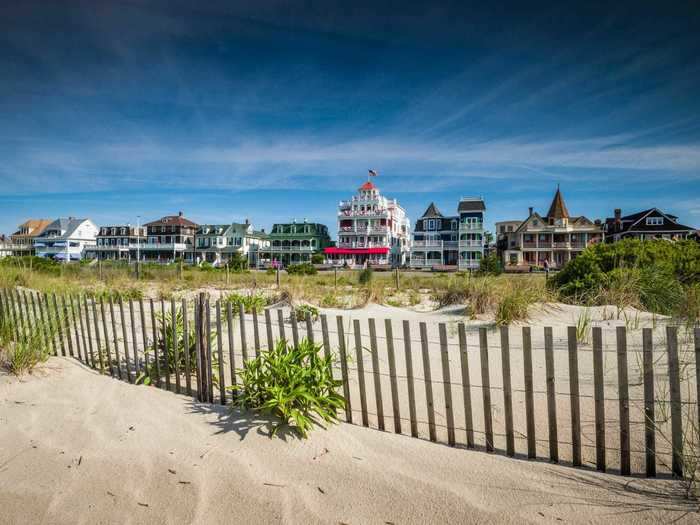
(356, 251)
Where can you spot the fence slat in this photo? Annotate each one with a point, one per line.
(466, 385)
(649, 419)
(210, 361)
(310, 328)
(199, 344)
(295, 327)
(344, 368)
(360, 370)
(125, 336)
(89, 332)
(409, 379)
(76, 332)
(176, 345)
(82, 329)
(389, 333)
(529, 396)
(116, 339)
(134, 340)
(231, 355)
(59, 324)
(66, 321)
(256, 333)
(166, 349)
(144, 331)
(280, 324)
(51, 334)
(447, 384)
(624, 404)
(268, 330)
(599, 397)
(675, 391)
(574, 394)
(376, 374)
(244, 342)
(428, 381)
(42, 316)
(697, 371)
(106, 333)
(324, 335)
(220, 354)
(507, 392)
(186, 347)
(98, 342)
(154, 329)
(486, 388)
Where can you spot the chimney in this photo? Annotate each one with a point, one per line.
(618, 219)
(179, 214)
(247, 221)
(529, 211)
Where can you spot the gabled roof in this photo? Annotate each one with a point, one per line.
(471, 205)
(66, 225)
(557, 210)
(35, 225)
(432, 212)
(169, 220)
(630, 222)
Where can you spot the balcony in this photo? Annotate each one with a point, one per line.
(165, 246)
(471, 243)
(290, 249)
(362, 245)
(471, 226)
(469, 264)
(424, 263)
(561, 244)
(364, 231)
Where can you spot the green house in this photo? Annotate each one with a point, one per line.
(294, 243)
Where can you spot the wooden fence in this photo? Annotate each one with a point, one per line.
(624, 401)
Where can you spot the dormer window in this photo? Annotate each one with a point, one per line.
(655, 221)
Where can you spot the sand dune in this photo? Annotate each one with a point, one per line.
(76, 447)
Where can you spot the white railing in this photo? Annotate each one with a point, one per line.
(471, 243)
(273, 249)
(419, 263)
(435, 244)
(361, 245)
(469, 264)
(471, 226)
(178, 247)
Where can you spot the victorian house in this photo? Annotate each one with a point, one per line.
(471, 212)
(119, 243)
(648, 224)
(218, 243)
(435, 240)
(554, 238)
(66, 239)
(22, 241)
(169, 239)
(372, 229)
(294, 243)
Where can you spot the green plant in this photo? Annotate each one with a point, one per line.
(304, 311)
(317, 258)
(251, 302)
(583, 326)
(365, 276)
(490, 265)
(330, 300)
(293, 384)
(515, 302)
(301, 269)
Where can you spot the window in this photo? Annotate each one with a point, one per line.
(655, 221)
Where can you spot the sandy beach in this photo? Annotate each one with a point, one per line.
(77, 447)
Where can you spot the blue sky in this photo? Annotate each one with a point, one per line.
(228, 110)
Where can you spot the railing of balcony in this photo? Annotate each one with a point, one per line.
(471, 243)
(471, 226)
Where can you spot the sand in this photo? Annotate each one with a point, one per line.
(77, 447)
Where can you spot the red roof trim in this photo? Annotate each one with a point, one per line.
(356, 251)
(368, 186)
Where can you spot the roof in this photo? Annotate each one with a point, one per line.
(169, 220)
(431, 212)
(471, 205)
(67, 225)
(35, 225)
(557, 210)
(369, 185)
(633, 222)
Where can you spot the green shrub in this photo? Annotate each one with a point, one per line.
(206, 266)
(237, 262)
(490, 265)
(293, 384)
(251, 302)
(317, 258)
(270, 271)
(365, 276)
(301, 269)
(306, 310)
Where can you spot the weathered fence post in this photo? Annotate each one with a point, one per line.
(268, 329)
(486, 388)
(389, 332)
(344, 368)
(447, 384)
(231, 355)
(428, 381)
(104, 330)
(201, 349)
(466, 386)
(574, 394)
(176, 345)
(507, 392)
(529, 396)
(115, 338)
(154, 329)
(599, 397)
(244, 340)
(360, 370)
(125, 336)
(96, 320)
(186, 347)
(623, 396)
(649, 419)
(675, 391)
(220, 352)
(409, 378)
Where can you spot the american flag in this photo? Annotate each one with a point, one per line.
(372, 173)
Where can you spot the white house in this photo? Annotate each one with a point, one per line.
(216, 243)
(66, 239)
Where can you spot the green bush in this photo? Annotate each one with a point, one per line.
(293, 384)
(317, 258)
(301, 269)
(490, 265)
(365, 276)
(237, 262)
(306, 310)
(251, 302)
